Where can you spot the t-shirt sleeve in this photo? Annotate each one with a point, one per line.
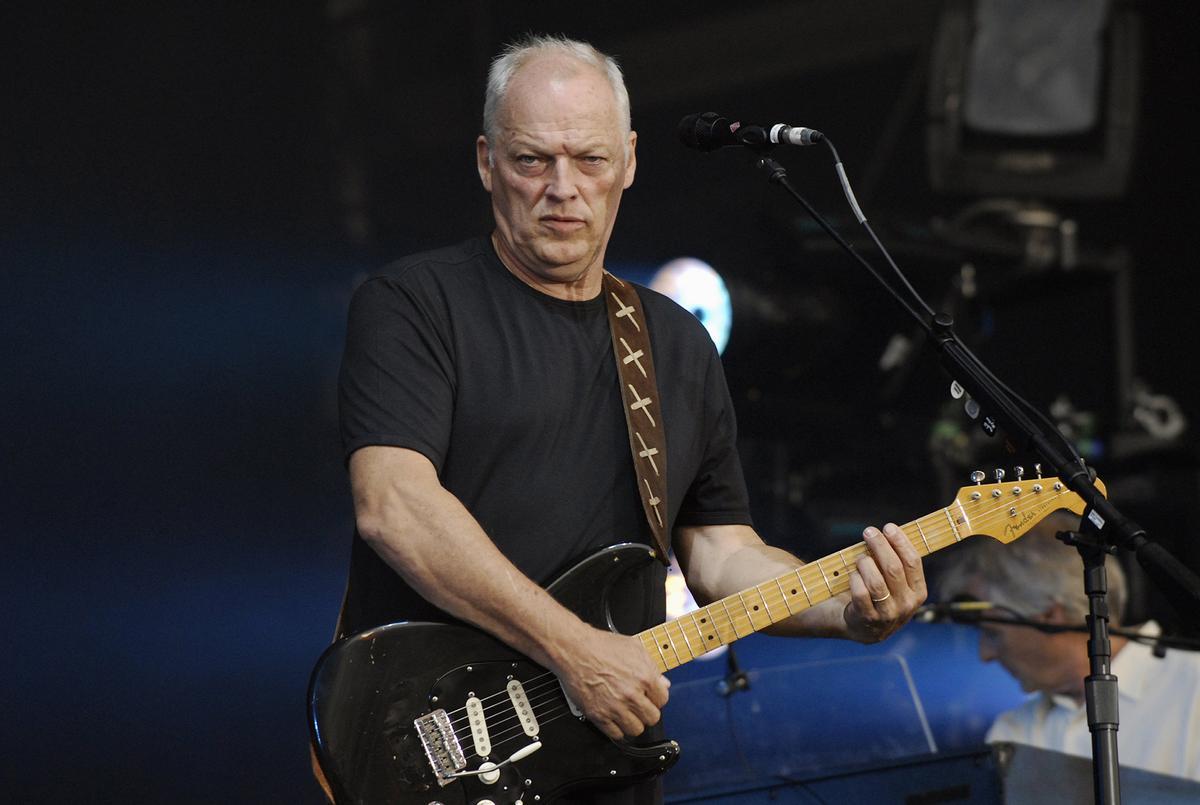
(396, 385)
(717, 495)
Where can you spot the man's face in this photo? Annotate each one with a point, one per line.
(1038, 661)
(557, 170)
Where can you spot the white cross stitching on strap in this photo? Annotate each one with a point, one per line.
(626, 311)
(633, 356)
(653, 501)
(647, 453)
(641, 403)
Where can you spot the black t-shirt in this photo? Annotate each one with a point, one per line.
(513, 396)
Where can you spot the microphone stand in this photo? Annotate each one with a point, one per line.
(1106, 528)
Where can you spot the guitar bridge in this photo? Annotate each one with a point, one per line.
(441, 745)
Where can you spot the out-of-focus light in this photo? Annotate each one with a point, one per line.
(696, 286)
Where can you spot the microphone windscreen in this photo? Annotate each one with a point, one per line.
(703, 131)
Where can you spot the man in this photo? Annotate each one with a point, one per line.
(485, 433)
(1039, 578)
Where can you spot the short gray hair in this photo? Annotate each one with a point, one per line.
(516, 54)
(1030, 575)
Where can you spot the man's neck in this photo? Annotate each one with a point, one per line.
(580, 286)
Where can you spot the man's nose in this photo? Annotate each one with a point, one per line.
(563, 180)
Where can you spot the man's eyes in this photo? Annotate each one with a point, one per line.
(531, 160)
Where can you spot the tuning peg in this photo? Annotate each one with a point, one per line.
(1019, 471)
(972, 408)
(999, 475)
(1038, 469)
(956, 390)
(978, 476)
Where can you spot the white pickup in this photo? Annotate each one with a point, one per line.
(479, 730)
(520, 703)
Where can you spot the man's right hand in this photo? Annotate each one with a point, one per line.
(613, 681)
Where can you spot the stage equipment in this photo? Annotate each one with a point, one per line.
(1003, 774)
(994, 405)
(1034, 99)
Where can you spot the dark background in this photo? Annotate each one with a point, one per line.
(190, 193)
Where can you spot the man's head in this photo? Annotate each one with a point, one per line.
(1039, 578)
(556, 154)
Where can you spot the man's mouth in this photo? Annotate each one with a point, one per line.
(563, 223)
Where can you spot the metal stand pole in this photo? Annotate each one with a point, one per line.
(1100, 686)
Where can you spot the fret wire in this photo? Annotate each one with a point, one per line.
(671, 641)
(732, 623)
(662, 656)
(921, 531)
(950, 517)
(749, 617)
(827, 584)
(686, 642)
(785, 598)
(763, 598)
(802, 586)
(703, 643)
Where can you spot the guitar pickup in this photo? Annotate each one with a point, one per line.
(441, 745)
(479, 731)
(520, 703)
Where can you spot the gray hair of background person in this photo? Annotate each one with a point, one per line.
(516, 54)
(1030, 574)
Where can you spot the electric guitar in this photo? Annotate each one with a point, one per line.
(423, 713)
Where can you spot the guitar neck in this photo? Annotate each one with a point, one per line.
(1004, 513)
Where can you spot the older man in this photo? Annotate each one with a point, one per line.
(485, 431)
(1041, 579)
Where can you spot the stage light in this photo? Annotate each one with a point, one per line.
(696, 286)
(1032, 99)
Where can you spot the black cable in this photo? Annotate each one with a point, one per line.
(987, 377)
(778, 175)
(1014, 618)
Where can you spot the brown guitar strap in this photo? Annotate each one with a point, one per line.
(643, 414)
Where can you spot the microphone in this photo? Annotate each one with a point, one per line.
(710, 131)
(958, 611)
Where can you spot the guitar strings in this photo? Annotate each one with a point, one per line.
(937, 530)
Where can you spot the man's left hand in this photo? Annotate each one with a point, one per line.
(888, 587)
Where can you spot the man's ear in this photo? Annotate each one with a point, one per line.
(483, 153)
(631, 163)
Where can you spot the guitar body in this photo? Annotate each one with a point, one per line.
(369, 690)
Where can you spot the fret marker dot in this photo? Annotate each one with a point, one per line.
(756, 607)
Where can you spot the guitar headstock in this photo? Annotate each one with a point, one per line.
(1007, 509)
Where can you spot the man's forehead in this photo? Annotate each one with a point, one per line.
(553, 137)
(559, 93)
